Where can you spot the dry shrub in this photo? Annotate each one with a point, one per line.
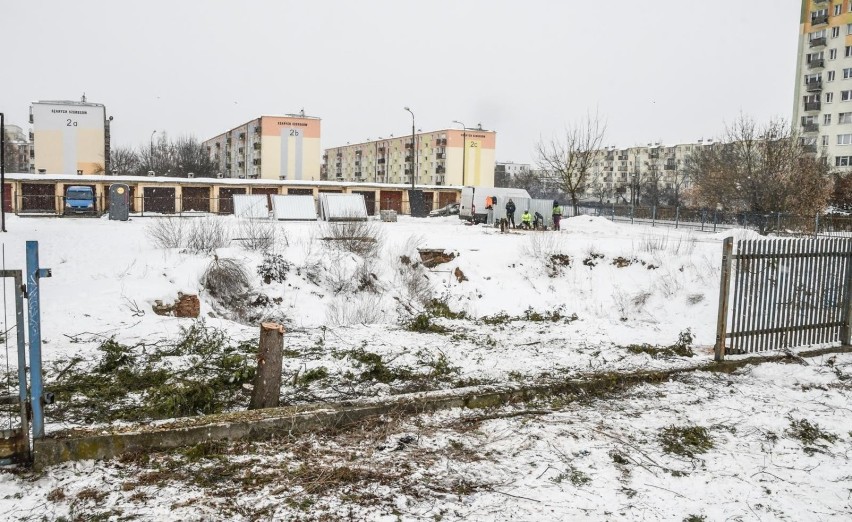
(226, 280)
(205, 235)
(362, 238)
(167, 232)
(258, 235)
(363, 309)
(543, 246)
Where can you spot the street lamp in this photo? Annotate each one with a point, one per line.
(413, 158)
(152, 150)
(464, 147)
(2, 172)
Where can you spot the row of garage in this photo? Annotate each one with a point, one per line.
(27, 196)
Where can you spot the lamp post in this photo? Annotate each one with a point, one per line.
(152, 150)
(464, 147)
(413, 158)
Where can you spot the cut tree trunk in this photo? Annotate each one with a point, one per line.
(267, 380)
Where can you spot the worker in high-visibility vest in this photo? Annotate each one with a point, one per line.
(526, 220)
(557, 215)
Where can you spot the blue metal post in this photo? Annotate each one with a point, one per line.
(34, 273)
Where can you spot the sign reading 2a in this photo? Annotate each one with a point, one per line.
(70, 123)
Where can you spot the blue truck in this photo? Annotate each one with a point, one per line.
(80, 200)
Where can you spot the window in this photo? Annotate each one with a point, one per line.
(816, 56)
(813, 78)
(838, 9)
(826, 119)
(830, 76)
(842, 161)
(845, 95)
(825, 141)
(848, 51)
(844, 139)
(817, 34)
(844, 117)
(848, 28)
(832, 54)
(835, 32)
(829, 97)
(847, 73)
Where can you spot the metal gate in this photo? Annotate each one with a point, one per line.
(783, 293)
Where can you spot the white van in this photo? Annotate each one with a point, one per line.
(473, 202)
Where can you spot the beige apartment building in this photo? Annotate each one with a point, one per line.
(452, 157)
(269, 147)
(69, 137)
(17, 150)
(822, 111)
(625, 175)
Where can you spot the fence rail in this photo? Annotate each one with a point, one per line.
(783, 293)
(708, 220)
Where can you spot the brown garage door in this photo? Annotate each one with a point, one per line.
(445, 198)
(195, 199)
(369, 200)
(160, 200)
(38, 197)
(428, 200)
(226, 199)
(391, 200)
(7, 197)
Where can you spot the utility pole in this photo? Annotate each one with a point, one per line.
(2, 172)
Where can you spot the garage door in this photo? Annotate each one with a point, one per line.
(38, 197)
(445, 198)
(195, 199)
(268, 191)
(7, 197)
(226, 199)
(369, 200)
(159, 200)
(391, 200)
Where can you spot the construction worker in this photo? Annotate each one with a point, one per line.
(557, 215)
(526, 220)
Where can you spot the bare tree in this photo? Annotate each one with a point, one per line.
(760, 169)
(125, 161)
(570, 159)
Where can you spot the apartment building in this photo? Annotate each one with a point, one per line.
(635, 174)
(444, 157)
(69, 137)
(269, 147)
(823, 93)
(17, 149)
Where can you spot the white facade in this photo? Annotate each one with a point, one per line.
(69, 137)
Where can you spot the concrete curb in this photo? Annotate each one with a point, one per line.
(258, 424)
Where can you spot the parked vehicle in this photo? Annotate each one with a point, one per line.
(474, 201)
(79, 200)
(450, 210)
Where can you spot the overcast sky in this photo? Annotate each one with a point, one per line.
(656, 70)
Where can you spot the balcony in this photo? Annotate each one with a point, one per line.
(381, 161)
(440, 155)
(814, 86)
(810, 127)
(622, 158)
(256, 145)
(813, 106)
(653, 155)
(816, 64)
(440, 142)
(408, 159)
(669, 166)
(440, 170)
(819, 19)
(810, 148)
(818, 42)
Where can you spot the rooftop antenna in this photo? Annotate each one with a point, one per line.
(479, 125)
(302, 112)
(83, 98)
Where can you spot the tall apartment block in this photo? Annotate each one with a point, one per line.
(69, 137)
(823, 94)
(444, 157)
(624, 175)
(17, 150)
(269, 147)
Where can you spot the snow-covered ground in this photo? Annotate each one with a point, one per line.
(613, 285)
(522, 306)
(773, 443)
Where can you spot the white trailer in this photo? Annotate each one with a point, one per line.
(473, 202)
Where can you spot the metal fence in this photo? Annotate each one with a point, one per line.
(785, 293)
(708, 220)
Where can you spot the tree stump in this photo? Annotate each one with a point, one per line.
(267, 379)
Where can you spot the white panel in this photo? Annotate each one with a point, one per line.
(342, 207)
(294, 208)
(250, 206)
